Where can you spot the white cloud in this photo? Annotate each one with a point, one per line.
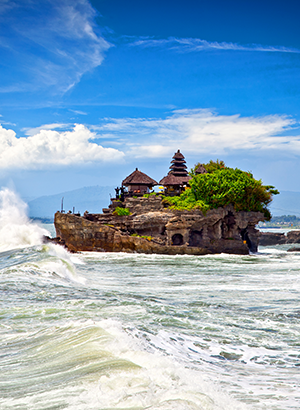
(195, 132)
(55, 42)
(36, 130)
(48, 147)
(202, 132)
(78, 112)
(196, 44)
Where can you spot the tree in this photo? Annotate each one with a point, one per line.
(210, 167)
(222, 186)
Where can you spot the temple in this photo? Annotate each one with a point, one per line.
(138, 184)
(178, 177)
(200, 169)
(135, 222)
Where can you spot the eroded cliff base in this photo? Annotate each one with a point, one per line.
(151, 228)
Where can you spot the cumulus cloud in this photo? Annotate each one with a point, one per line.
(196, 44)
(196, 132)
(204, 132)
(53, 42)
(48, 147)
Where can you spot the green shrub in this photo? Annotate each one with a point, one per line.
(186, 201)
(222, 186)
(121, 211)
(213, 166)
(233, 186)
(210, 167)
(147, 195)
(149, 238)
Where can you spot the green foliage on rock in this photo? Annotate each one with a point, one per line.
(121, 211)
(148, 237)
(222, 186)
(150, 194)
(186, 201)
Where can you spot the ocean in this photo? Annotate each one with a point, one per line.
(130, 331)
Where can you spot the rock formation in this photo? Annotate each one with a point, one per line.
(152, 228)
(274, 238)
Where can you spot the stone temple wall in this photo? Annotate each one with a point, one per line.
(143, 205)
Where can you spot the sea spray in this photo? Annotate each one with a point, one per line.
(62, 263)
(16, 231)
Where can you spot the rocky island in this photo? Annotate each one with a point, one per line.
(214, 209)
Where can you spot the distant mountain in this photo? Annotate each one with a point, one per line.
(92, 199)
(286, 203)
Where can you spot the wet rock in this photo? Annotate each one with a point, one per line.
(272, 238)
(293, 237)
(294, 249)
(165, 231)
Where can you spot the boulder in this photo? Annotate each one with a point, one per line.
(274, 238)
(294, 249)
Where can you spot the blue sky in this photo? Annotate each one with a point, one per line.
(90, 90)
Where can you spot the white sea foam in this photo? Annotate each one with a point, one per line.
(62, 263)
(145, 332)
(159, 382)
(16, 231)
(169, 376)
(114, 370)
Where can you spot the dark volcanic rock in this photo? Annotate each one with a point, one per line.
(293, 237)
(165, 231)
(294, 249)
(271, 238)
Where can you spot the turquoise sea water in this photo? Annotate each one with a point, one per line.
(128, 331)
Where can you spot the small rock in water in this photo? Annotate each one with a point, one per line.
(294, 249)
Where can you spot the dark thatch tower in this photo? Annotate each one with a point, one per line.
(177, 177)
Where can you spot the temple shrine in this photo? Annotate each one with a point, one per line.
(138, 183)
(178, 177)
(135, 222)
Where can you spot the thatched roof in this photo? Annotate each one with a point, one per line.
(174, 180)
(138, 178)
(178, 155)
(175, 169)
(178, 174)
(178, 167)
(200, 169)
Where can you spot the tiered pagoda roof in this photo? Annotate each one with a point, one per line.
(178, 174)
